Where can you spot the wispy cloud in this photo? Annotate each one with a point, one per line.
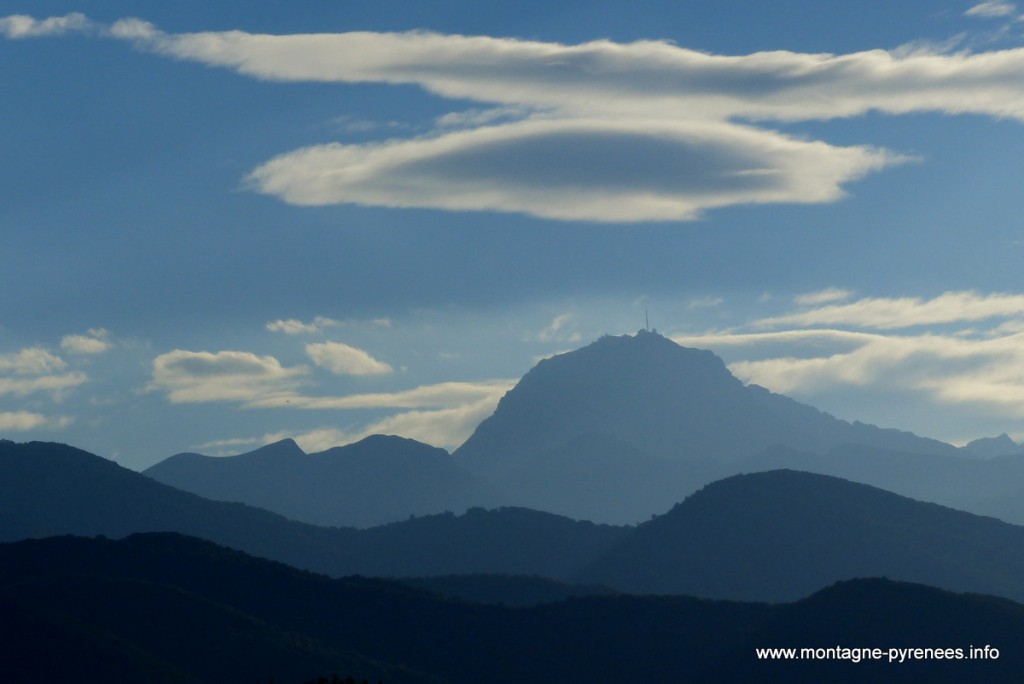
(437, 396)
(561, 329)
(25, 420)
(342, 359)
(21, 26)
(95, 341)
(980, 366)
(831, 294)
(992, 9)
(599, 131)
(319, 324)
(34, 370)
(893, 313)
(189, 377)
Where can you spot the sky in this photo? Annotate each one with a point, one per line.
(224, 224)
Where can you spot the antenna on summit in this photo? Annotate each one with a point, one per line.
(647, 321)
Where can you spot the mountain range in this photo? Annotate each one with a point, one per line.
(614, 432)
(604, 524)
(770, 536)
(377, 480)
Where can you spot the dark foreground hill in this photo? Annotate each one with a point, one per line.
(169, 608)
(378, 480)
(780, 535)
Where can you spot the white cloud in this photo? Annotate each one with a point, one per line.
(31, 361)
(708, 302)
(33, 370)
(95, 341)
(593, 170)
(992, 8)
(561, 329)
(440, 395)
(292, 326)
(831, 294)
(885, 313)
(188, 376)
(599, 131)
(989, 372)
(342, 359)
(617, 78)
(982, 367)
(25, 420)
(472, 118)
(446, 428)
(21, 26)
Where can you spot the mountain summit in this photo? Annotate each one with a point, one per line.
(627, 426)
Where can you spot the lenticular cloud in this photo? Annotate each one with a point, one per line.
(600, 131)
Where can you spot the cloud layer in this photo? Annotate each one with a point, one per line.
(599, 131)
(852, 345)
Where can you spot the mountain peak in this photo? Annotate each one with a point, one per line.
(644, 390)
(990, 447)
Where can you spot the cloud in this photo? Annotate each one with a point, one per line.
(951, 369)
(983, 367)
(21, 26)
(708, 302)
(992, 9)
(598, 131)
(292, 326)
(342, 359)
(643, 77)
(561, 329)
(188, 376)
(25, 420)
(885, 313)
(440, 395)
(592, 170)
(831, 294)
(33, 370)
(31, 361)
(446, 428)
(95, 341)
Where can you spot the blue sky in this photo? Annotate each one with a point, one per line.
(227, 223)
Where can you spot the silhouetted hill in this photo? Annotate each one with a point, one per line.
(990, 447)
(641, 422)
(515, 541)
(377, 480)
(780, 535)
(507, 590)
(878, 613)
(988, 486)
(52, 489)
(163, 605)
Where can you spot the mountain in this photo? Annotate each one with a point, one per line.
(924, 636)
(990, 447)
(377, 480)
(627, 426)
(162, 607)
(53, 489)
(768, 536)
(985, 486)
(781, 535)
